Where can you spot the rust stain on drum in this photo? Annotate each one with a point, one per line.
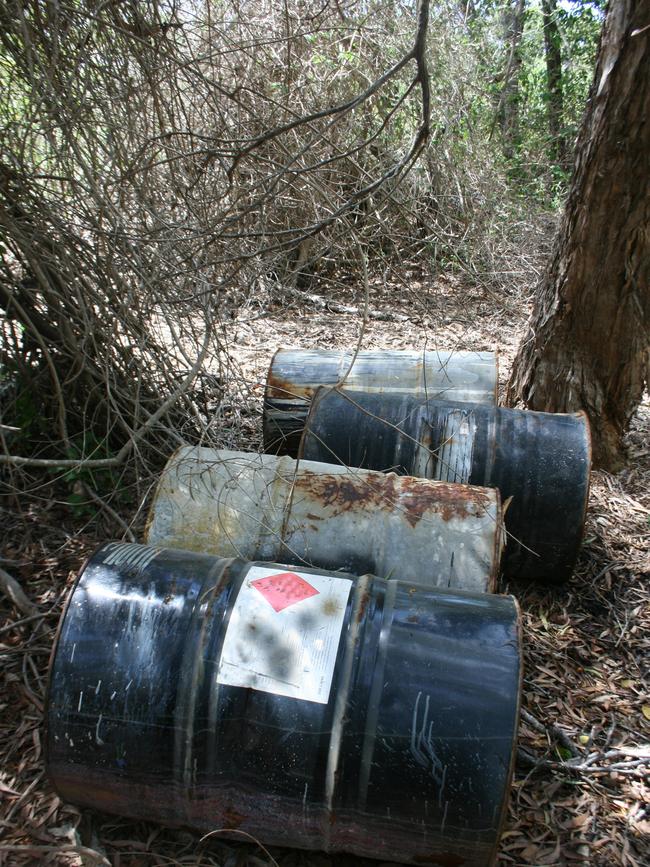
(285, 389)
(413, 497)
(345, 493)
(363, 604)
(449, 500)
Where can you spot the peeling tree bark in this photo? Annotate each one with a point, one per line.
(588, 344)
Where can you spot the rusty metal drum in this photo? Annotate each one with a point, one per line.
(295, 374)
(539, 461)
(304, 708)
(262, 507)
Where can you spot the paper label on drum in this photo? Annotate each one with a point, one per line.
(284, 633)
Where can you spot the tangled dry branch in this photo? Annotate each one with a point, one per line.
(163, 165)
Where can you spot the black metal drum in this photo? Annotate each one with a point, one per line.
(306, 708)
(295, 374)
(539, 461)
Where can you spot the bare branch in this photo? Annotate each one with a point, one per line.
(15, 593)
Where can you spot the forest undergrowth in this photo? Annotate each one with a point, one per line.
(184, 189)
(580, 794)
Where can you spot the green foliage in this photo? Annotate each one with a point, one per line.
(82, 447)
(87, 446)
(30, 429)
(166, 164)
(564, 754)
(579, 23)
(21, 409)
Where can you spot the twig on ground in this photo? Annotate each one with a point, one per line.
(12, 589)
(17, 623)
(553, 731)
(88, 854)
(635, 767)
(336, 307)
(94, 496)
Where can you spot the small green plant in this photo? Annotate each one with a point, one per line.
(82, 447)
(19, 408)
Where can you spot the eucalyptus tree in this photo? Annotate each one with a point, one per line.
(588, 344)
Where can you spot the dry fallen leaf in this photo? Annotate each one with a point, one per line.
(564, 670)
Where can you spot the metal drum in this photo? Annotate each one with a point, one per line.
(305, 708)
(539, 461)
(295, 374)
(262, 507)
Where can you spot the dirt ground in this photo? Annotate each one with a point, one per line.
(581, 793)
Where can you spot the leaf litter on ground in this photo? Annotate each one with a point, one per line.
(581, 791)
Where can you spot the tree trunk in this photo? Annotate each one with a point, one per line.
(588, 344)
(508, 108)
(554, 94)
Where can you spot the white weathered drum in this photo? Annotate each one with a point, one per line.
(295, 374)
(261, 507)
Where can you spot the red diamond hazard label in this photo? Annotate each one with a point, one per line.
(284, 589)
(284, 632)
